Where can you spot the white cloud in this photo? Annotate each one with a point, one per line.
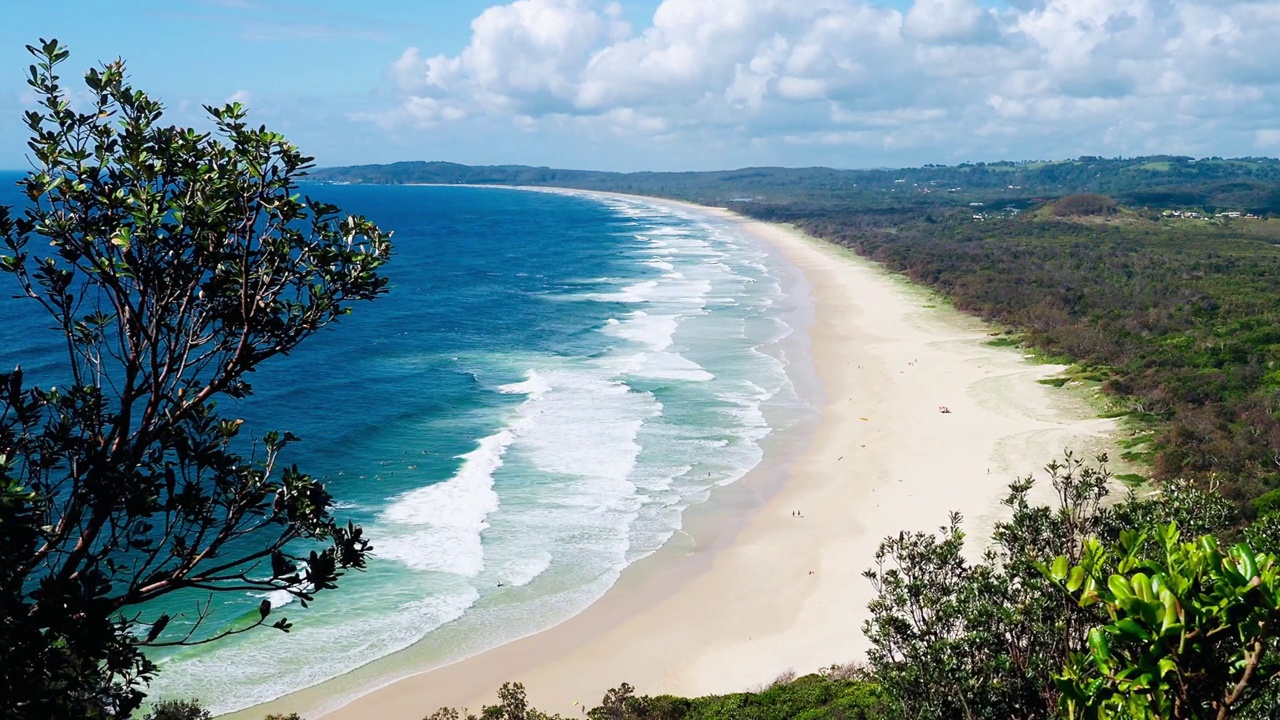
(951, 21)
(945, 79)
(408, 72)
(1268, 138)
(240, 96)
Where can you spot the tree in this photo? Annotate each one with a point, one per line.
(175, 262)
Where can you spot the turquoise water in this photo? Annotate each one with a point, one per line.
(551, 382)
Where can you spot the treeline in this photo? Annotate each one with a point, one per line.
(1181, 319)
(1245, 184)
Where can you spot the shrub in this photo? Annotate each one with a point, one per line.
(1084, 204)
(178, 710)
(1268, 504)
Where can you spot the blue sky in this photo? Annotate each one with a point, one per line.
(690, 84)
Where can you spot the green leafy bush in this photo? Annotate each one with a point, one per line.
(1190, 628)
(178, 710)
(1267, 504)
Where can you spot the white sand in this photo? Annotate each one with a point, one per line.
(763, 592)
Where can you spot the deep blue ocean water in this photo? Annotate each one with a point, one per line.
(551, 381)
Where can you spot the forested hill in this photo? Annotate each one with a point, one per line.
(1211, 184)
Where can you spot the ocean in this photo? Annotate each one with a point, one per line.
(552, 381)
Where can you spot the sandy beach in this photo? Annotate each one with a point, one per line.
(752, 590)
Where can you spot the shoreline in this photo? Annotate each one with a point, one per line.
(787, 592)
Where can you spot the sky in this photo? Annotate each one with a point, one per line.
(688, 84)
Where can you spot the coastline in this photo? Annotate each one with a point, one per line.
(748, 591)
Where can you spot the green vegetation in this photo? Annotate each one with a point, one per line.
(1188, 627)
(838, 693)
(1087, 204)
(1131, 480)
(1246, 184)
(175, 263)
(178, 710)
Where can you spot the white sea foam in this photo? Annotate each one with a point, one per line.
(656, 366)
(586, 426)
(636, 293)
(654, 331)
(263, 666)
(523, 571)
(277, 598)
(568, 512)
(438, 527)
(534, 385)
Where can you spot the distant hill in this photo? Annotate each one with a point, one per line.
(1163, 181)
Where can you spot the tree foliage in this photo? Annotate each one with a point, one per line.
(174, 263)
(178, 710)
(1190, 628)
(1084, 204)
